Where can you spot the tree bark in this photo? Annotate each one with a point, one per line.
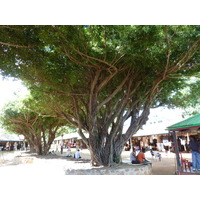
(108, 152)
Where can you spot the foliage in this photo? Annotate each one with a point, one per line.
(39, 130)
(188, 98)
(96, 77)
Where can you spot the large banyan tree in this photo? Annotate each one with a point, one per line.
(100, 76)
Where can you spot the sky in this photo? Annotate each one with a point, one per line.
(10, 89)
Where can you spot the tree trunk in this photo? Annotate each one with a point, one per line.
(46, 148)
(38, 144)
(32, 149)
(109, 158)
(39, 149)
(108, 154)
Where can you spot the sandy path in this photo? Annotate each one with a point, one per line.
(55, 165)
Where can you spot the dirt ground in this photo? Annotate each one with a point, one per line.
(44, 177)
(167, 165)
(55, 164)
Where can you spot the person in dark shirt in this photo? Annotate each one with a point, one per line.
(195, 147)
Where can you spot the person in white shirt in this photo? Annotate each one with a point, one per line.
(133, 157)
(77, 154)
(68, 154)
(15, 146)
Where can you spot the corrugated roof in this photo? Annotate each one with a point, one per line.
(67, 136)
(11, 137)
(193, 121)
(150, 132)
(71, 136)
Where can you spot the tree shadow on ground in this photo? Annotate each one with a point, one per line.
(81, 161)
(55, 157)
(28, 158)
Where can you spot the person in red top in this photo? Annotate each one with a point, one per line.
(141, 157)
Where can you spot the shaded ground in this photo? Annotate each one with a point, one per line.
(55, 164)
(167, 165)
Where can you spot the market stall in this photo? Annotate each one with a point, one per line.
(8, 141)
(184, 129)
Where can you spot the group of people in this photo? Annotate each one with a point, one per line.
(14, 146)
(194, 146)
(77, 154)
(139, 158)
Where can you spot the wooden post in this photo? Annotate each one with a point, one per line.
(176, 152)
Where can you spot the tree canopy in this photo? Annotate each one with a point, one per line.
(39, 130)
(97, 77)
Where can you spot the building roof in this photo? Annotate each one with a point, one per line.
(141, 133)
(191, 122)
(158, 120)
(68, 136)
(11, 137)
(71, 136)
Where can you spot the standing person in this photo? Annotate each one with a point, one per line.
(57, 147)
(18, 146)
(195, 147)
(22, 146)
(141, 157)
(15, 146)
(8, 146)
(77, 145)
(61, 146)
(26, 145)
(11, 146)
(61, 149)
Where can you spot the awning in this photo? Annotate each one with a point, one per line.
(191, 122)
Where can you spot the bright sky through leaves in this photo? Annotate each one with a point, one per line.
(10, 89)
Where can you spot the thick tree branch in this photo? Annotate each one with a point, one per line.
(15, 45)
(110, 97)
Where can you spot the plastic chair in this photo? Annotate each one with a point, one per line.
(185, 164)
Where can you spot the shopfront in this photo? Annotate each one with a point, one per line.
(181, 132)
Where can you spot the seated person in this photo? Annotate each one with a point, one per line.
(133, 157)
(157, 155)
(141, 157)
(68, 154)
(53, 152)
(77, 155)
